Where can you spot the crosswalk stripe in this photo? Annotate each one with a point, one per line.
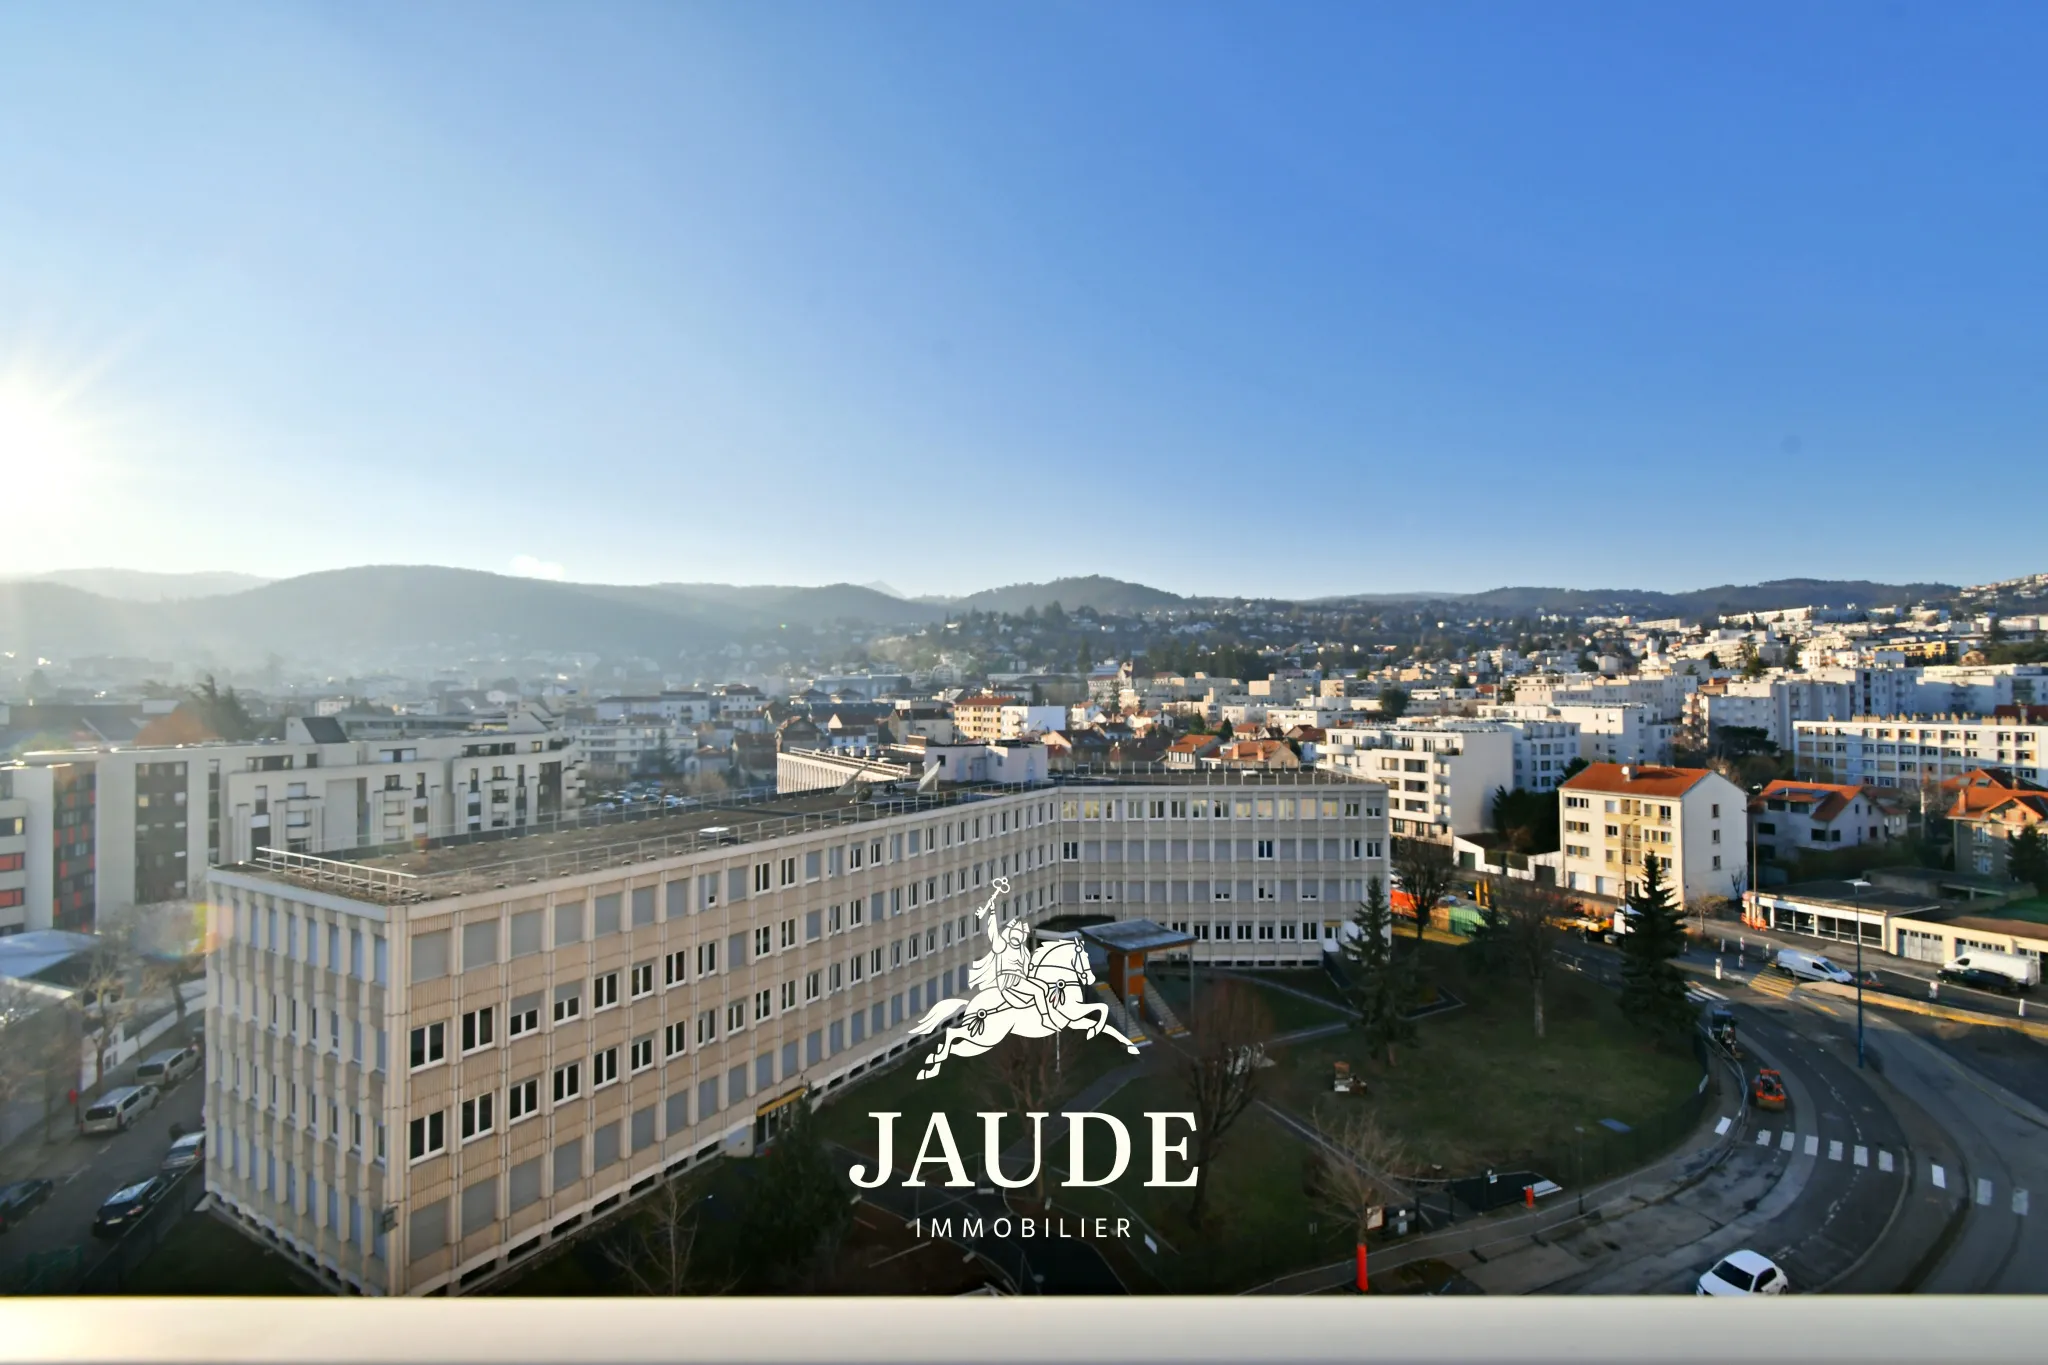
(1790, 1137)
(1834, 1151)
(1940, 1178)
(1721, 1128)
(1711, 995)
(1862, 1156)
(2019, 1202)
(1763, 1137)
(1812, 1145)
(1983, 1190)
(1884, 1160)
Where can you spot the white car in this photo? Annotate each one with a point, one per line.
(1742, 1273)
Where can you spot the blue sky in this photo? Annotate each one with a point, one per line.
(1255, 299)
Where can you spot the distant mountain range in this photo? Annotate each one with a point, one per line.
(136, 585)
(389, 610)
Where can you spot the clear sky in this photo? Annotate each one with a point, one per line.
(1254, 298)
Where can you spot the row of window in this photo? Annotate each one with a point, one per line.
(1214, 808)
(1261, 850)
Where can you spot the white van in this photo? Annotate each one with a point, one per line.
(115, 1110)
(1805, 966)
(1982, 967)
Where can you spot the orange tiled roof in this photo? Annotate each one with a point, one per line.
(1643, 780)
(1827, 799)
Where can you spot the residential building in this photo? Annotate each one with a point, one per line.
(1789, 817)
(979, 718)
(1017, 720)
(1910, 751)
(425, 1068)
(1625, 732)
(108, 829)
(1991, 806)
(1441, 774)
(1613, 815)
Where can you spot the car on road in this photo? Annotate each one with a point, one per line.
(125, 1207)
(187, 1152)
(1769, 1091)
(119, 1107)
(1805, 966)
(1741, 1273)
(165, 1069)
(19, 1200)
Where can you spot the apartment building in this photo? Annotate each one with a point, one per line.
(979, 718)
(1543, 750)
(684, 708)
(107, 829)
(1625, 732)
(1614, 814)
(1790, 817)
(423, 1068)
(1440, 775)
(1989, 808)
(1017, 720)
(15, 891)
(1909, 751)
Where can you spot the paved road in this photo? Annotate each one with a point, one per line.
(88, 1169)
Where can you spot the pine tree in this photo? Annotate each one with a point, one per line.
(1652, 987)
(2027, 858)
(1380, 984)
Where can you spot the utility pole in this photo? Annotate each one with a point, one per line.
(1858, 886)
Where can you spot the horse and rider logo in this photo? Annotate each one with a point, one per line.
(1018, 989)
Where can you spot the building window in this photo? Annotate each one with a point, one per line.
(764, 1004)
(524, 1018)
(604, 1068)
(522, 1101)
(476, 1030)
(604, 992)
(568, 1082)
(735, 1016)
(477, 1118)
(641, 980)
(764, 941)
(568, 1004)
(707, 1027)
(813, 986)
(675, 1040)
(675, 968)
(429, 1045)
(641, 1055)
(426, 1136)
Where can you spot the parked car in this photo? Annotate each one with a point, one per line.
(2011, 973)
(166, 1069)
(187, 1152)
(20, 1199)
(119, 1107)
(1741, 1273)
(124, 1208)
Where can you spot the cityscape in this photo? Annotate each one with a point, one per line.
(1155, 655)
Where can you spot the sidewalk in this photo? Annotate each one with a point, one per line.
(1496, 1239)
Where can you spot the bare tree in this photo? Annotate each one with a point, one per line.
(1024, 1078)
(106, 991)
(1354, 1174)
(1222, 1072)
(1425, 873)
(39, 1049)
(655, 1250)
(1519, 932)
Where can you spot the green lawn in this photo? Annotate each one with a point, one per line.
(203, 1255)
(2033, 910)
(1478, 1088)
(1287, 1009)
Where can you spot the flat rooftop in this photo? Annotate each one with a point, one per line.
(503, 859)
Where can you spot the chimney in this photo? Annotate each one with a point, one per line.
(1628, 774)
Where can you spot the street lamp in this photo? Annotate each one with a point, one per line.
(1581, 1145)
(1857, 886)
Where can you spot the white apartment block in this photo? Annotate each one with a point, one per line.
(1691, 819)
(1019, 720)
(1441, 775)
(1908, 751)
(1629, 732)
(628, 746)
(424, 1068)
(1790, 817)
(683, 708)
(109, 829)
(1543, 750)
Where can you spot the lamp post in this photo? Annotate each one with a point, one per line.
(1857, 887)
(1580, 1130)
(1755, 790)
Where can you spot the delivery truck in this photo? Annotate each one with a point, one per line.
(2012, 973)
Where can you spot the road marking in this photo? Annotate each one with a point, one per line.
(1940, 1178)
(1790, 1137)
(1721, 1128)
(1983, 1190)
(1834, 1151)
(2019, 1202)
(1763, 1137)
(1812, 1146)
(1861, 1156)
(1711, 995)
(1884, 1160)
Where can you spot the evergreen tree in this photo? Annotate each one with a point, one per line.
(1652, 988)
(2027, 858)
(1378, 981)
(798, 1210)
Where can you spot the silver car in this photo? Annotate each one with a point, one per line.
(119, 1107)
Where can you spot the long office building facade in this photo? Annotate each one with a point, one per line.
(424, 1068)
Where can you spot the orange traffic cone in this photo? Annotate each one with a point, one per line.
(1529, 1195)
